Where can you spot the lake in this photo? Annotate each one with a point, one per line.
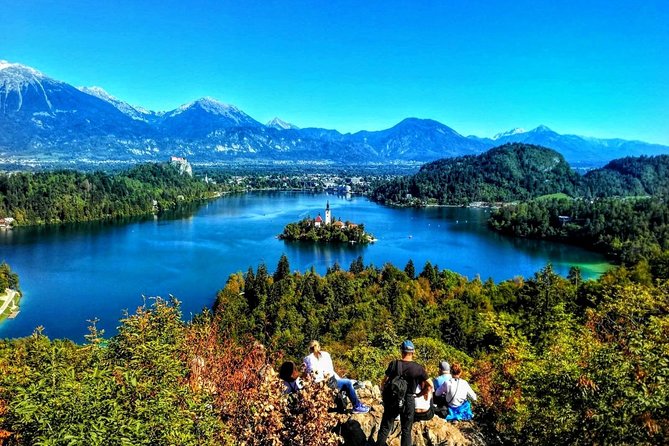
(74, 273)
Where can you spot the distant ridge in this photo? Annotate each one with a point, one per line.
(44, 121)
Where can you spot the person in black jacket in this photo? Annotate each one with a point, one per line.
(415, 375)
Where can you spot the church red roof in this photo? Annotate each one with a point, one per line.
(319, 219)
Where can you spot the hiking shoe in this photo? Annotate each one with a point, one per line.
(361, 408)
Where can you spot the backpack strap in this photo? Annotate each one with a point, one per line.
(397, 367)
(448, 402)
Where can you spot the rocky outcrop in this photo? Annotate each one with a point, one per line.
(183, 165)
(362, 429)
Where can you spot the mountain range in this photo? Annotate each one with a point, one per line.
(44, 120)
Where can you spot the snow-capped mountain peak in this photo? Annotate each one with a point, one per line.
(19, 69)
(542, 128)
(210, 105)
(511, 132)
(17, 81)
(206, 115)
(50, 121)
(280, 124)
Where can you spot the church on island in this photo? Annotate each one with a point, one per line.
(326, 229)
(318, 221)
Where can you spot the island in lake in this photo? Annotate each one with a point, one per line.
(326, 230)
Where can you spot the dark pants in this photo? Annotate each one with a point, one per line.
(406, 421)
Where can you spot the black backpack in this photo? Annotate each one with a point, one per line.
(395, 390)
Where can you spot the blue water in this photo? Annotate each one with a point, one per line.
(71, 274)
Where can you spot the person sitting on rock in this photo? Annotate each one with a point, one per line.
(444, 376)
(319, 366)
(290, 375)
(457, 391)
(423, 410)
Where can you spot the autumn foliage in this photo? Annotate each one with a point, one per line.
(248, 395)
(159, 381)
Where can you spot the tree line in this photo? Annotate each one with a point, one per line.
(509, 172)
(67, 196)
(625, 229)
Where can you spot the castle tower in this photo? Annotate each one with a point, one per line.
(328, 214)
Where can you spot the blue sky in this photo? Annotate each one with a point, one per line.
(596, 68)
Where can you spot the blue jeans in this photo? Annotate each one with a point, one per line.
(347, 386)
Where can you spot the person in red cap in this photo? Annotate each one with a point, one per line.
(415, 375)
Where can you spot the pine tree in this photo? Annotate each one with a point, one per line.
(357, 266)
(282, 269)
(250, 289)
(410, 269)
(430, 273)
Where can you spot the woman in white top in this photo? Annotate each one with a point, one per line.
(457, 393)
(319, 366)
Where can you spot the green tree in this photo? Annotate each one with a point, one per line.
(410, 270)
(282, 269)
(357, 266)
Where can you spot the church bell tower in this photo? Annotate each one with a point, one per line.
(328, 214)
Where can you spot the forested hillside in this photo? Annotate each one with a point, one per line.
(646, 175)
(70, 196)
(506, 173)
(554, 360)
(517, 172)
(627, 230)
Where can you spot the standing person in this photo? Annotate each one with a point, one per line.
(319, 365)
(415, 375)
(456, 392)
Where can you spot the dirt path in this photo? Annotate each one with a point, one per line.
(11, 294)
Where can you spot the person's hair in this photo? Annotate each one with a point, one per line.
(456, 369)
(286, 371)
(314, 346)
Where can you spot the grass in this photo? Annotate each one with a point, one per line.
(558, 196)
